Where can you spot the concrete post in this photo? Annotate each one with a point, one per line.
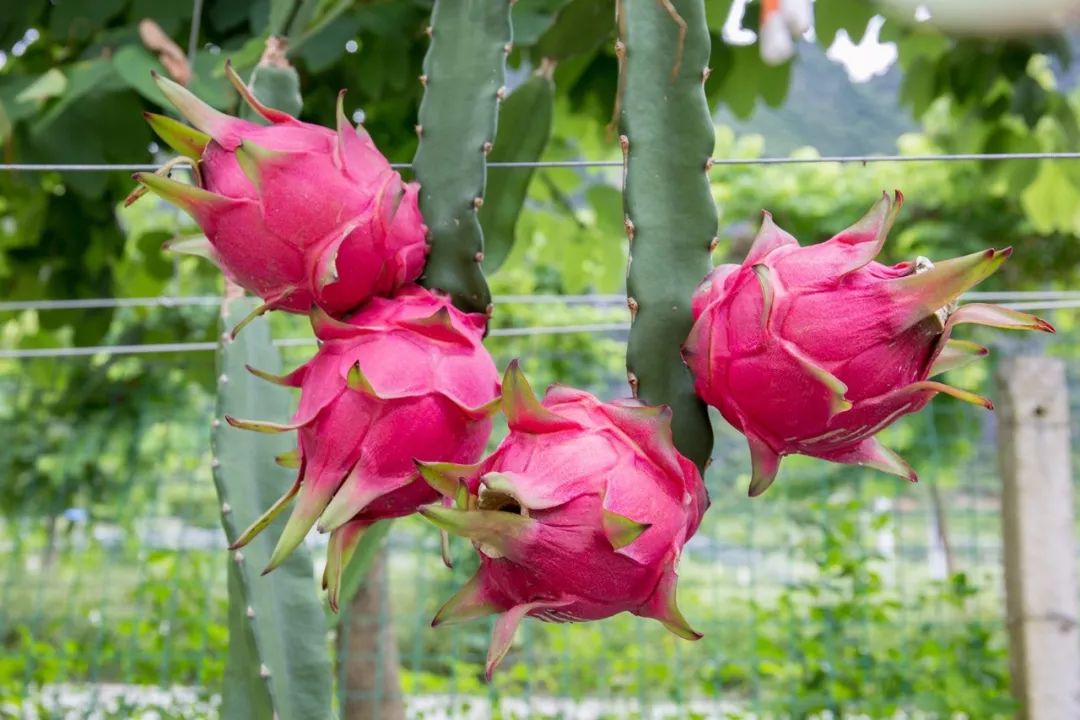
(1039, 537)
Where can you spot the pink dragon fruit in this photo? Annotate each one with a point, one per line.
(404, 378)
(295, 213)
(813, 350)
(580, 514)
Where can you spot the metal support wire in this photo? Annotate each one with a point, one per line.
(213, 301)
(186, 347)
(587, 328)
(715, 162)
(193, 38)
(1037, 299)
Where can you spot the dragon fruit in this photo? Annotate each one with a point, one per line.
(812, 350)
(404, 378)
(294, 213)
(580, 514)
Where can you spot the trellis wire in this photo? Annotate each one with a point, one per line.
(167, 301)
(1039, 300)
(715, 162)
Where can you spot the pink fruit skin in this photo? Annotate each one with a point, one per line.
(583, 511)
(404, 378)
(813, 350)
(428, 401)
(301, 215)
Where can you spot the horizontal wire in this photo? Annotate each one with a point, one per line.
(211, 300)
(594, 328)
(186, 347)
(809, 160)
(1058, 305)
(108, 303)
(1021, 295)
(167, 301)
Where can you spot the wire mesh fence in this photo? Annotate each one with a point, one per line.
(841, 591)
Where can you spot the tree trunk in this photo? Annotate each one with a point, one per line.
(941, 524)
(367, 651)
(50, 541)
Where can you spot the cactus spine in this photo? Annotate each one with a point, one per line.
(464, 72)
(667, 137)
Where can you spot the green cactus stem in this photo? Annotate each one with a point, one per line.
(667, 136)
(464, 75)
(274, 81)
(278, 664)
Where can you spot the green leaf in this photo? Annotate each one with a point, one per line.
(581, 27)
(79, 19)
(326, 44)
(281, 12)
(716, 14)
(171, 16)
(133, 63)
(84, 78)
(209, 83)
(276, 87)
(1052, 202)
(832, 16)
(49, 85)
(532, 18)
(523, 133)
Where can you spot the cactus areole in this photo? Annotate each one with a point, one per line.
(580, 514)
(813, 350)
(295, 213)
(405, 378)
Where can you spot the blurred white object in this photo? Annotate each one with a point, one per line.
(990, 17)
(798, 14)
(782, 22)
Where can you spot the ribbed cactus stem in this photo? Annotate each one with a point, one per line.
(464, 75)
(667, 136)
(274, 81)
(278, 664)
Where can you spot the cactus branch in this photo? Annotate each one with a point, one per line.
(463, 77)
(278, 663)
(666, 134)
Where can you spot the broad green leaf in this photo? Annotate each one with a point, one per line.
(79, 19)
(87, 79)
(209, 83)
(134, 63)
(281, 12)
(579, 29)
(532, 18)
(52, 84)
(1052, 202)
(831, 16)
